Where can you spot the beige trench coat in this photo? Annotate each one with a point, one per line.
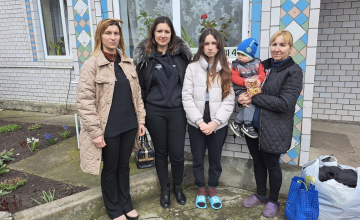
(93, 101)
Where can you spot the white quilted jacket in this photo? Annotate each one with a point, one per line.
(194, 94)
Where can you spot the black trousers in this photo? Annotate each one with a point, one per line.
(167, 130)
(115, 184)
(214, 142)
(263, 163)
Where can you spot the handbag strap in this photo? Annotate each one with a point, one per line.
(143, 139)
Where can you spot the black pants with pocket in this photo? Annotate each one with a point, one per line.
(263, 163)
(167, 130)
(214, 143)
(115, 185)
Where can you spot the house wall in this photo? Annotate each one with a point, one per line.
(337, 79)
(24, 74)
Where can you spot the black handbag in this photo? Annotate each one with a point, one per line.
(145, 157)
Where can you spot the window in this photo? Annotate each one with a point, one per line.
(219, 11)
(184, 14)
(134, 30)
(54, 26)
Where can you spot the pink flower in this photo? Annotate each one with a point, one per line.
(203, 16)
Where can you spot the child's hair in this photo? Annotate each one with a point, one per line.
(286, 35)
(225, 73)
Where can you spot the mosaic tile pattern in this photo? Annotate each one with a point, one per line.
(31, 30)
(82, 30)
(294, 17)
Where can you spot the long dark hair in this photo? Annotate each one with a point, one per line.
(225, 73)
(152, 45)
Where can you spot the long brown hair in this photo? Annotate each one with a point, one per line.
(152, 45)
(100, 29)
(225, 73)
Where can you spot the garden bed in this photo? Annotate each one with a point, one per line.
(33, 189)
(34, 186)
(11, 140)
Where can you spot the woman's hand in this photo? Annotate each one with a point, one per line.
(244, 99)
(99, 141)
(142, 129)
(211, 127)
(203, 126)
(208, 128)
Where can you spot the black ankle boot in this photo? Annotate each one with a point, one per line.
(165, 196)
(180, 197)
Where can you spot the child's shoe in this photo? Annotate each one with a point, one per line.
(249, 130)
(271, 209)
(253, 201)
(236, 129)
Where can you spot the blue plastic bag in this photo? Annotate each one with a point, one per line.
(302, 204)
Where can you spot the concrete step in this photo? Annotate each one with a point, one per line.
(149, 209)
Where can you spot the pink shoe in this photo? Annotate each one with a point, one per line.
(270, 210)
(252, 201)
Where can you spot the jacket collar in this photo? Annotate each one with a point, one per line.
(204, 65)
(141, 57)
(103, 61)
(289, 62)
(236, 62)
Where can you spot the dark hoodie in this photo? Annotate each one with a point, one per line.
(161, 76)
(165, 89)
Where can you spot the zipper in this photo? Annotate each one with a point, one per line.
(260, 128)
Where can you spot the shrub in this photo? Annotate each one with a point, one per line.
(34, 127)
(6, 156)
(10, 185)
(9, 128)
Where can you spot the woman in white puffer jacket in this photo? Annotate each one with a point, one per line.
(208, 99)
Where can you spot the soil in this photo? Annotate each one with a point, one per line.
(11, 140)
(35, 185)
(33, 188)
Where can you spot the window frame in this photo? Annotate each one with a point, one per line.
(177, 16)
(68, 51)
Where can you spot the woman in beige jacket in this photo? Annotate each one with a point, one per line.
(208, 99)
(112, 115)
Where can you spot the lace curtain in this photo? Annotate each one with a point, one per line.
(191, 11)
(134, 8)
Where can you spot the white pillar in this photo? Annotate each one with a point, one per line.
(245, 18)
(176, 16)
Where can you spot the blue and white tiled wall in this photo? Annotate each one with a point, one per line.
(300, 17)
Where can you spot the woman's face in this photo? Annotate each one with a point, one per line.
(110, 39)
(162, 34)
(210, 46)
(280, 49)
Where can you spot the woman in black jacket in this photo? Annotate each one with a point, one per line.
(273, 119)
(161, 61)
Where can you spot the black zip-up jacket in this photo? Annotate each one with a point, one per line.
(277, 106)
(145, 63)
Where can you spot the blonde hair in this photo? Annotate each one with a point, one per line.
(286, 35)
(100, 29)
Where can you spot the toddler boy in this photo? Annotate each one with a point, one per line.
(248, 74)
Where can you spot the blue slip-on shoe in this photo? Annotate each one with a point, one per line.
(201, 202)
(215, 202)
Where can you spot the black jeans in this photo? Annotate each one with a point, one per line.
(115, 184)
(214, 143)
(263, 163)
(167, 130)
